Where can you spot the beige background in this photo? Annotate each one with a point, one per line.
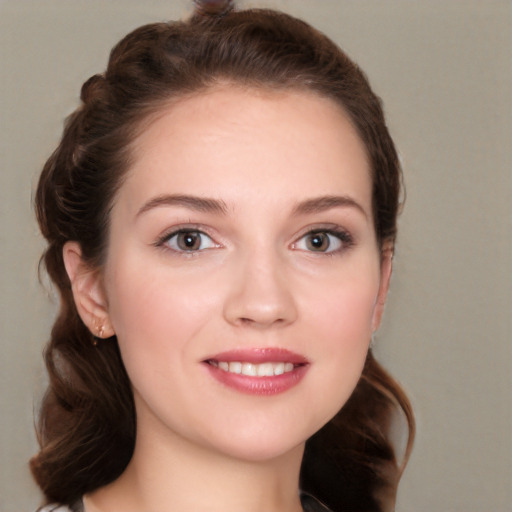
(444, 69)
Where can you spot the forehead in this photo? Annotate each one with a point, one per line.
(249, 139)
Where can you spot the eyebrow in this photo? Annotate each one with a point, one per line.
(323, 203)
(200, 204)
(209, 205)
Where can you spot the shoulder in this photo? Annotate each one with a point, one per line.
(77, 507)
(311, 504)
(54, 508)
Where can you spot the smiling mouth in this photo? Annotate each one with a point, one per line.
(267, 369)
(258, 371)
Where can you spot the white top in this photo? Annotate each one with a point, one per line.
(54, 508)
(309, 504)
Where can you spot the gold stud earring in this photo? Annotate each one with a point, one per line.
(99, 332)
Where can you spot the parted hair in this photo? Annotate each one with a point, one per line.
(87, 422)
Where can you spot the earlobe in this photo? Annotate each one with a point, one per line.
(386, 267)
(88, 292)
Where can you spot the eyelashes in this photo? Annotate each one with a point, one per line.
(192, 240)
(187, 240)
(324, 241)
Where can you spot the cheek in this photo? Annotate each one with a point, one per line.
(155, 316)
(346, 331)
(343, 312)
(341, 324)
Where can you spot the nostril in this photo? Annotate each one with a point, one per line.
(260, 321)
(260, 299)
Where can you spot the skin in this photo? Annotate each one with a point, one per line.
(256, 280)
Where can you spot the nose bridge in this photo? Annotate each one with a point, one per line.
(260, 293)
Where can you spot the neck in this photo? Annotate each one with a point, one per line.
(180, 475)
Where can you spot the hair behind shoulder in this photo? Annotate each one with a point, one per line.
(87, 420)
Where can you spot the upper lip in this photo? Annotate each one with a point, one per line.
(259, 355)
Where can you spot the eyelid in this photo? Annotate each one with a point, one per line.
(345, 238)
(167, 235)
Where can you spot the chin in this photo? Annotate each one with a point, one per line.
(260, 442)
(264, 451)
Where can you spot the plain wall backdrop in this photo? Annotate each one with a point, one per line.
(444, 71)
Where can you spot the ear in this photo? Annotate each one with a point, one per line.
(386, 267)
(88, 292)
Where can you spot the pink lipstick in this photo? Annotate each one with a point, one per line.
(260, 371)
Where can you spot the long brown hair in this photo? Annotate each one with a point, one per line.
(87, 420)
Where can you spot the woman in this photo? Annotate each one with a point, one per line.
(221, 217)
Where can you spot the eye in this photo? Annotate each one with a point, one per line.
(188, 241)
(323, 241)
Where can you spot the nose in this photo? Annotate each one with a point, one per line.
(260, 295)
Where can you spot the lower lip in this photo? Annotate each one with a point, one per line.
(259, 385)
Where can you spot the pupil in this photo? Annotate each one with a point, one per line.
(319, 242)
(190, 241)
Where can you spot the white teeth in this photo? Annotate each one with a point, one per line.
(249, 369)
(254, 370)
(235, 367)
(279, 369)
(265, 370)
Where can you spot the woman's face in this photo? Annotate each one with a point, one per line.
(243, 278)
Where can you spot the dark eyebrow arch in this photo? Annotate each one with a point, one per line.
(200, 204)
(320, 204)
